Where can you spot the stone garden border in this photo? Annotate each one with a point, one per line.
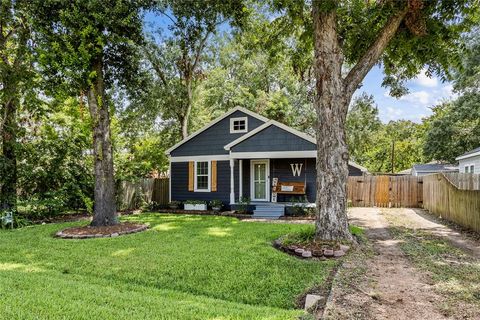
(302, 252)
(70, 234)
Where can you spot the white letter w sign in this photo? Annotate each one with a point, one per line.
(296, 169)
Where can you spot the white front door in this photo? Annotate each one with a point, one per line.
(259, 176)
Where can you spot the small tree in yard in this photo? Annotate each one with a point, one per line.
(349, 38)
(86, 48)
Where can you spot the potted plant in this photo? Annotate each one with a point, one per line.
(174, 204)
(195, 205)
(216, 205)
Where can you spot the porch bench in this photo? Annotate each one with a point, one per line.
(290, 188)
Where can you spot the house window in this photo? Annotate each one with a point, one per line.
(202, 176)
(466, 169)
(238, 125)
(472, 168)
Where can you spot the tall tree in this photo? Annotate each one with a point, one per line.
(16, 78)
(88, 47)
(363, 125)
(177, 60)
(454, 127)
(349, 38)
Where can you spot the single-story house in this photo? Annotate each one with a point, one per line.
(430, 168)
(469, 162)
(245, 155)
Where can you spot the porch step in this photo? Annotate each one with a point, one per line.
(268, 211)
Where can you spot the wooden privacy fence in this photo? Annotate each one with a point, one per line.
(464, 181)
(444, 199)
(385, 191)
(131, 195)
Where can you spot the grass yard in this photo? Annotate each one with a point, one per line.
(183, 267)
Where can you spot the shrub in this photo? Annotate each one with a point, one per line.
(301, 208)
(243, 204)
(195, 202)
(175, 204)
(216, 203)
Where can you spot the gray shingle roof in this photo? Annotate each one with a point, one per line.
(471, 152)
(434, 167)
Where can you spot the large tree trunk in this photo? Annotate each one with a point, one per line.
(331, 106)
(8, 183)
(105, 212)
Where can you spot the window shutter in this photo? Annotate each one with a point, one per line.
(191, 175)
(214, 176)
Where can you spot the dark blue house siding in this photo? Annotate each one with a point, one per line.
(281, 169)
(274, 139)
(179, 178)
(212, 140)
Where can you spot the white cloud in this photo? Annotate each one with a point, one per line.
(425, 81)
(418, 97)
(393, 113)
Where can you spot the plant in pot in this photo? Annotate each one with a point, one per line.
(216, 205)
(174, 204)
(195, 205)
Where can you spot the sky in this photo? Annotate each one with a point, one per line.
(424, 92)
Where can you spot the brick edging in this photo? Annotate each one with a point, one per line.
(63, 235)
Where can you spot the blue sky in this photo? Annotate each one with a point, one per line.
(424, 92)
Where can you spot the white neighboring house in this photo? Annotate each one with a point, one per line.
(469, 162)
(431, 168)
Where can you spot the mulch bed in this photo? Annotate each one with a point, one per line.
(101, 232)
(312, 250)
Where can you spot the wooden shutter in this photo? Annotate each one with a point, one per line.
(191, 175)
(214, 176)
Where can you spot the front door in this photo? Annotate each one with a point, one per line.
(259, 180)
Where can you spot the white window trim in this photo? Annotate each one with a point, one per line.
(466, 168)
(232, 120)
(195, 189)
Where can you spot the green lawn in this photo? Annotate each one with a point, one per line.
(184, 267)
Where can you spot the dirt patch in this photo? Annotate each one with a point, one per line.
(387, 285)
(417, 219)
(101, 232)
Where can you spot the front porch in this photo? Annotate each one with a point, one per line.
(259, 181)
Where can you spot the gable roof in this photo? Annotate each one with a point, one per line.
(471, 153)
(196, 133)
(288, 129)
(266, 125)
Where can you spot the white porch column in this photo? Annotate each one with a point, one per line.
(240, 179)
(232, 182)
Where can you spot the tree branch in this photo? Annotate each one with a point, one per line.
(371, 56)
(155, 66)
(199, 51)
